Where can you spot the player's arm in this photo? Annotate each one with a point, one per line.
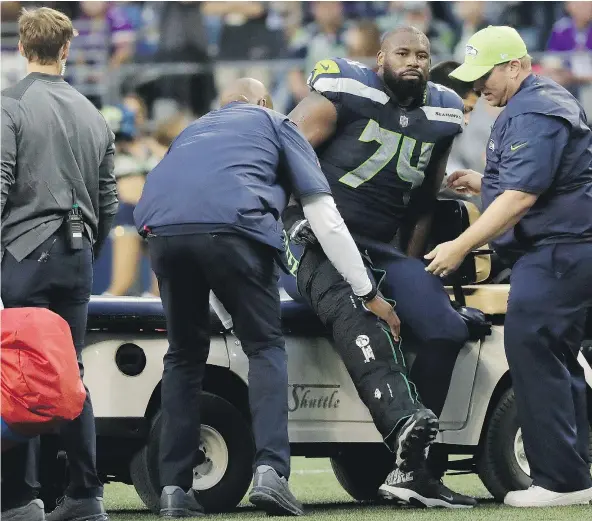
(415, 233)
(316, 117)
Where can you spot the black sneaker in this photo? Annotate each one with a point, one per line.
(176, 503)
(271, 493)
(414, 438)
(86, 509)
(420, 489)
(32, 511)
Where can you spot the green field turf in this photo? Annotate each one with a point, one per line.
(315, 485)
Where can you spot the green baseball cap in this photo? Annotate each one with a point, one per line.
(487, 48)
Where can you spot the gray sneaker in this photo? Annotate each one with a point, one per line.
(32, 511)
(271, 493)
(86, 509)
(175, 502)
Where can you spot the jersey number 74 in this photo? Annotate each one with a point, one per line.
(389, 146)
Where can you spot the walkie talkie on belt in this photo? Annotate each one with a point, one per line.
(75, 227)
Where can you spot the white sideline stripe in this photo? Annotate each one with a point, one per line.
(350, 86)
(312, 471)
(444, 114)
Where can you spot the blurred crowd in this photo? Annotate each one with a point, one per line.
(125, 54)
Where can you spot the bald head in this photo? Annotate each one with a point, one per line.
(247, 90)
(402, 34)
(403, 63)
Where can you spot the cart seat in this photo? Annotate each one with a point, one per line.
(132, 314)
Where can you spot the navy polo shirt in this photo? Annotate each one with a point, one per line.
(541, 144)
(232, 170)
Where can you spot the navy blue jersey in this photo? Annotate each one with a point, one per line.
(232, 170)
(380, 151)
(541, 144)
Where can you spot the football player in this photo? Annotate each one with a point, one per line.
(383, 140)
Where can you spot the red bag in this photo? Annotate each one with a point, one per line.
(41, 384)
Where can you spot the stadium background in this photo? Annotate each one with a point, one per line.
(167, 60)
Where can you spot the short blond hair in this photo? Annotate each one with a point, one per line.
(43, 32)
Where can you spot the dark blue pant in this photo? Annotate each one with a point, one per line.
(544, 328)
(438, 331)
(244, 276)
(63, 284)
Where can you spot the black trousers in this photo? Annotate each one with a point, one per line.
(244, 276)
(62, 283)
(551, 289)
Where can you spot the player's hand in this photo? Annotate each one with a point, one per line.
(301, 233)
(382, 309)
(465, 182)
(446, 258)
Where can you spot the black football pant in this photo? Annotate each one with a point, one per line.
(372, 357)
(244, 276)
(61, 280)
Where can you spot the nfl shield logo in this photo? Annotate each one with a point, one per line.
(404, 121)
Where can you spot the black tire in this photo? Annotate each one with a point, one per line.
(225, 495)
(497, 464)
(141, 480)
(361, 472)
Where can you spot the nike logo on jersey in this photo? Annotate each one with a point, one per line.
(324, 67)
(513, 148)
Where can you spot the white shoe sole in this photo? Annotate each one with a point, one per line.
(33, 511)
(582, 497)
(413, 498)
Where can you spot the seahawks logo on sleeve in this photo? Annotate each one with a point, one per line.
(323, 67)
(337, 78)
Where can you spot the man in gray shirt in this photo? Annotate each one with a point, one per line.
(58, 200)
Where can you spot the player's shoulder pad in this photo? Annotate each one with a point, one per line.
(338, 76)
(444, 105)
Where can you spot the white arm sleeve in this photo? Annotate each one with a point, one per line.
(220, 310)
(337, 243)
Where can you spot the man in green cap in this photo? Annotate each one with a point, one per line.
(537, 196)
